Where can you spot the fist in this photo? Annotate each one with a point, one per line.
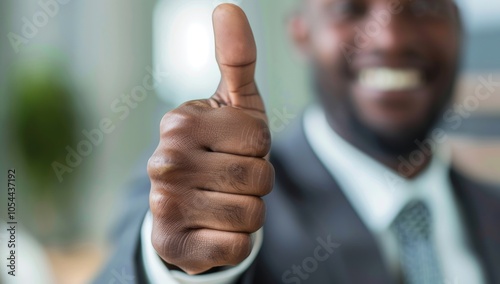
(210, 170)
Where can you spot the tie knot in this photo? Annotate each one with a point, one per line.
(413, 223)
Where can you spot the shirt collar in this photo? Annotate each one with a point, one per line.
(377, 192)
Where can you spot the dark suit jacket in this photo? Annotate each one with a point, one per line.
(307, 209)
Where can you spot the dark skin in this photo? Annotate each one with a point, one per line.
(210, 170)
(425, 35)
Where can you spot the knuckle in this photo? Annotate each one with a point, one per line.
(197, 105)
(157, 201)
(263, 177)
(257, 214)
(230, 251)
(254, 131)
(166, 243)
(264, 136)
(165, 208)
(178, 120)
(160, 202)
(240, 248)
(248, 215)
(165, 162)
(154, 166)
(177, 210)
(201, 252)
(259, 137)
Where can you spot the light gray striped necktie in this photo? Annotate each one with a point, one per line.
(417, 253)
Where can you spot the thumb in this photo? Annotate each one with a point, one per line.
(236, 55)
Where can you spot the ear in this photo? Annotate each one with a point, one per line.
(298, 30)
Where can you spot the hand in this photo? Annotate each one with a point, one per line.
(209, 171)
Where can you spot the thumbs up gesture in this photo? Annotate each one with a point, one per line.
(210, 171)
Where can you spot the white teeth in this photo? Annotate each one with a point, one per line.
(388, 79)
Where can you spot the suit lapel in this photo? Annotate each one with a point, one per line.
(360, 256)
(325, 206)
(330, 213)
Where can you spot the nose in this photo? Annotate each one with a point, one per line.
(396, 35)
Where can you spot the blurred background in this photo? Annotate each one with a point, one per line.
(84, 85)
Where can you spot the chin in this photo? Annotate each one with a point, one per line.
(399, 138)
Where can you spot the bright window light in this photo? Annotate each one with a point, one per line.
(196, 42)
(184, 47)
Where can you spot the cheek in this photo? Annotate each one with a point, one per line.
(445, 41)
(327, 46)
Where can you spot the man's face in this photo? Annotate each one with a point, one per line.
(386, 67)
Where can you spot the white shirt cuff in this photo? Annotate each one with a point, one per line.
(157, 272)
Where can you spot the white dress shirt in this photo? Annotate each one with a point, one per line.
(377, 193)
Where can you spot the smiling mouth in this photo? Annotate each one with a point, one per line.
(385, 79)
